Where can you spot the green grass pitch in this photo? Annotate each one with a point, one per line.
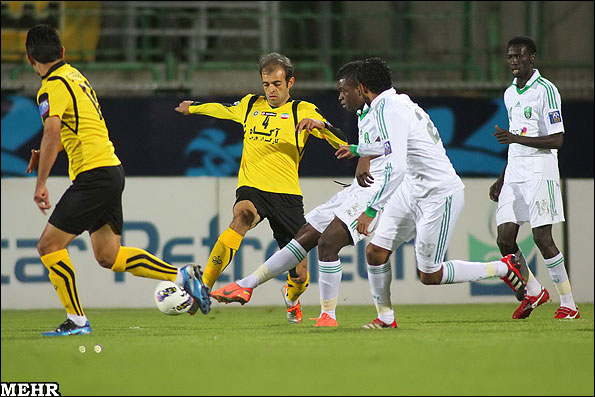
(474, 349)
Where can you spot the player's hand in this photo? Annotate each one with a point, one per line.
(309, 125)
(184, 108)
(363, 223)
(344, 152)
(495, 190)
(42, 198)
(33, 161)
(362, 172)
(504, 137)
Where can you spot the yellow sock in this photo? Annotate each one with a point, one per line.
(295, 290)
(225, 248)
(142, 264)
(64, 281)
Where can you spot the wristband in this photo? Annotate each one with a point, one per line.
(353, 150)
(371, 212)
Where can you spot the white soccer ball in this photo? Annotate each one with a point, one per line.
(172, 299)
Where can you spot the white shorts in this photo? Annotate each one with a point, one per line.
(538, 202)
(347, 205)
(431, 222)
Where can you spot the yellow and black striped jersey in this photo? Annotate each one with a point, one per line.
(66, 93)
(272, 148)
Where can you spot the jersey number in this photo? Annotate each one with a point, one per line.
(265, 123)
(430, 127)
(91, 94)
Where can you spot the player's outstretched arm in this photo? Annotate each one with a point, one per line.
(226, 111)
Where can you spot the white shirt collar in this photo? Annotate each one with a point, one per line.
(384, 94)
(534, 77)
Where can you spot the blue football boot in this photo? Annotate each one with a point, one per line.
(68, 327)
(194, 285)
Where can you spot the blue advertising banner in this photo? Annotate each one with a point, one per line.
(152, 139)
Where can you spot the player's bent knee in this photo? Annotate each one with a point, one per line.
(106, 258)
(45, 247)
(376, 255)
(429, 278)
(506, 246)
(104, 262)
(327, 249)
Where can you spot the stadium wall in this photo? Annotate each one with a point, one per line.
(152, 139)
(180, 218)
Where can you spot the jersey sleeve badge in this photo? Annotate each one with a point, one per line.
(387, 148)
(44, 108)
(555, 117)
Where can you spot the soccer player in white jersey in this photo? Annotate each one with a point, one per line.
(330, 226)
(528, 190)
(422, 197)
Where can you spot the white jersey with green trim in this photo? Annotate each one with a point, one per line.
(533, 111)
(368, 134)
(413, 148)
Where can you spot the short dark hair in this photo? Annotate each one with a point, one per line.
(43, 43)
(349, 72)
(270, 61)
(524, 41)
(375, 74)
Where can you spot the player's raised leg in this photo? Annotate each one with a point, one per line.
(280, 262)
(138, 262)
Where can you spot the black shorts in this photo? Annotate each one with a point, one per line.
(93, 200)
(285, 212)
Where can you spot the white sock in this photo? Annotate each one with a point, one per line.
(457, 271)
(78, 320)
(533, 286)
(329, 280)
(283, 260)
(559, 277)
(380, 278)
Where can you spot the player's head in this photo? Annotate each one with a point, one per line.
(276, 71)
(374, 77)
(43, 45)
(521, 52)
(348, 87)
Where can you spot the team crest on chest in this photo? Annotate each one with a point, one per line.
(528, 111)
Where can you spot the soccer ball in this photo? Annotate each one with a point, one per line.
(171, 299)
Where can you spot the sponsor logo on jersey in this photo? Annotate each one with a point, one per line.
(387, 148)
(555, 117)
(284, 116)
(271, 114)
(528, 111)
(524, 131)
(355, 209)
(44, 108)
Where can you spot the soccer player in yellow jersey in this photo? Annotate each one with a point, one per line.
(268, 183)
(72, 121)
